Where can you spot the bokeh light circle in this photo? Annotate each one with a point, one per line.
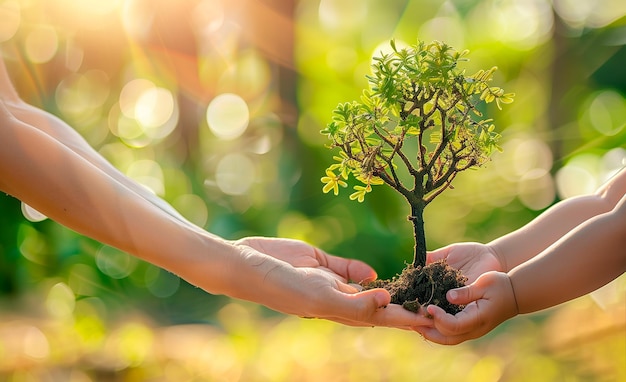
(32, 214)
(41, 44)
(148, 113)
(149, 174)
(228, 116)
(530, 154)
(342, 15)
(536, 189)
(606, 112)
(193, 208)
(448, 29)
(574, 180)
(594, 14)
(385, 48)
(81, 95)
(160, 282)
(10, 19)
(115, 263)
(614, 160)
(154, 107)
(235, 174)
(523, 25)
(130, 94)
(61, 300)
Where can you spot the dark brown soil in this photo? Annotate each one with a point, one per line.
(420, 286)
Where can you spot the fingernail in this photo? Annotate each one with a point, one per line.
(358, 287)
(452, 295)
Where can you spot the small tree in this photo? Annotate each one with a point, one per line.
(416, 127)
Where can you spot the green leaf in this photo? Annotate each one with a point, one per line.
(435, 137)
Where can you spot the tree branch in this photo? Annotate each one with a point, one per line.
(441, 189)
(396, 150)
(441, 145)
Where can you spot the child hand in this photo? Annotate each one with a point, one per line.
(489, 301)
(472, 259)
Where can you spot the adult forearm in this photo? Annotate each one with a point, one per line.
(55, 180)
(587, 258)
(67, 136)
(7, 91)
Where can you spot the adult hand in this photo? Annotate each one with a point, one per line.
(472, 259)
(297, 278)
(489, 301)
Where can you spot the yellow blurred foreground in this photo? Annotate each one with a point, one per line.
(578, 341)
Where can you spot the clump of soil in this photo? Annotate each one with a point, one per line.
(420, 286)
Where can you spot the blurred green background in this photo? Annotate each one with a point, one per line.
(216, 106)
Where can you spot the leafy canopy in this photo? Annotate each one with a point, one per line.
(420, 102)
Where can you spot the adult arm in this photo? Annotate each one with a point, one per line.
(67, 136)
(49, 166)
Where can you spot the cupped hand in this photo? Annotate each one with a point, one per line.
(472, 259)
(489, 301)
(300, 279)
(301, 254)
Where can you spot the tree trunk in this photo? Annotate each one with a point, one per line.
(417, 218)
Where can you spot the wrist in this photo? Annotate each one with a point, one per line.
(498, 253)
(250, 272)
(514, 311)
(207, 262)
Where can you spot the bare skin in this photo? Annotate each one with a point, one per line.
(572, 249)
(49, 166)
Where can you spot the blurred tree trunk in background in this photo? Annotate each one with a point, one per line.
(583, 60)
(271, 30)
(561, 74)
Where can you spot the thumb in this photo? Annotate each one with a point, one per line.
(370, 299)
(380, 296)
(463, 295)
(356, 308)
(474, 291)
